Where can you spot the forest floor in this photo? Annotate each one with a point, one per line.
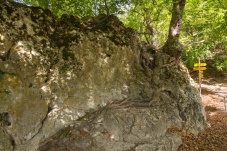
(213, 138)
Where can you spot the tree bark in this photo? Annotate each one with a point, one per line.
(107, 8)
(151, 30)
(172, 46)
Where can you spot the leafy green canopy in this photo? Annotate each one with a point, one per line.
(204, 29)
(81, 8)
(204, 32)
(158, 12)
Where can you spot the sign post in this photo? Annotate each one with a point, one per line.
(200, 67)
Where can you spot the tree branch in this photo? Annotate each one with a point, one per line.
(172, 45)
(107, 8)
(151, 29)
(194, 43)
(176, 20)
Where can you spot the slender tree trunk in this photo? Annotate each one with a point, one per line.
(107, 8)
(151, 30)
(172, 46)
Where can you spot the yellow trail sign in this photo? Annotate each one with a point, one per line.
(199, 64)
(199, 68)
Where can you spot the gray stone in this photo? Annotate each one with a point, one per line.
(55, 73)
(5, 142)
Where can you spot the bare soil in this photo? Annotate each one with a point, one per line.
(213, 138)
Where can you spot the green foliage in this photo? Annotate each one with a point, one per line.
(203, 26)
(5, 90)
(1, 74)
(81, 8)
(192, 54)
(159, 13)
(64, 69)
(221, 63)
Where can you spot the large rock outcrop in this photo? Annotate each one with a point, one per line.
(98, 79)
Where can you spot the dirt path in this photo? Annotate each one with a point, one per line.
(212, 94)
(213, 138)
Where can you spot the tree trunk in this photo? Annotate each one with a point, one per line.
(151, 30)
(172, 46)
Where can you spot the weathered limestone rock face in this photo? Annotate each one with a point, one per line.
(98, 78)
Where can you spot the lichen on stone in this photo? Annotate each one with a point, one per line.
(97, 78)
